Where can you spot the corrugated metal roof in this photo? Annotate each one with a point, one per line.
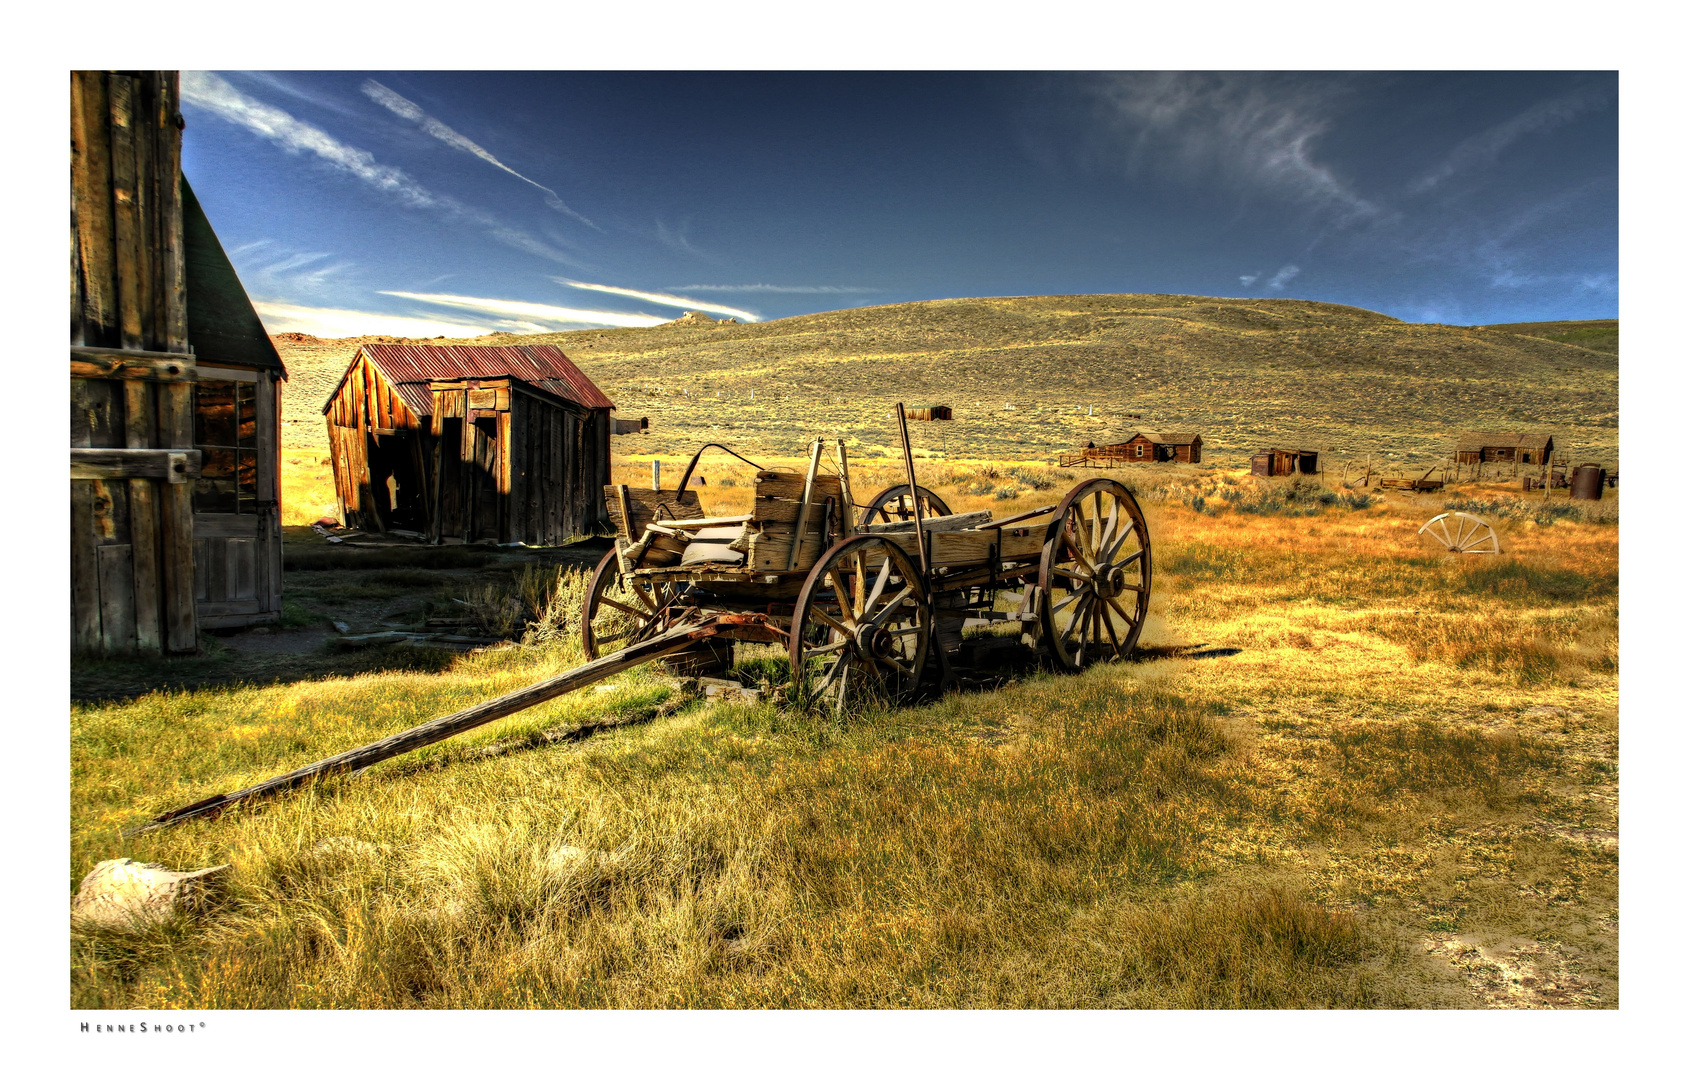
(1478, 440)
(542, 366)
(416, 396)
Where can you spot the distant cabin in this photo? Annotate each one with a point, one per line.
(460, 443)
(175, 522)
(930, 412)
(1277, 462)
(1475, 447)
(1163, 446)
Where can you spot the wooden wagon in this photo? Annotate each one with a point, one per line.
(871, 598)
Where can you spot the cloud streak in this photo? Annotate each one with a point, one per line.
(216, 95)
(410, 110)
(1258, 131)
(540, 316)
(666, 299)
(279, 318)
(1486, 147)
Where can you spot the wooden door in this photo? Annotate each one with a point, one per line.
(237, 519)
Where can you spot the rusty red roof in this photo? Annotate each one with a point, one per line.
(542, 366)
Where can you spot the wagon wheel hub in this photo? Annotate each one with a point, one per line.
(875, 641)
(1110, 581)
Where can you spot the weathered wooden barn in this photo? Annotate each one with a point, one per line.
(460, 443)
(174, 394)
(1475, 447)
(1164, 446)
(930, 412)
(1277, 462)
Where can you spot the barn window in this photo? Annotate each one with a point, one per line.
(1140, 449)
(226, 435)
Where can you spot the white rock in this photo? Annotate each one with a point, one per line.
(122, 894)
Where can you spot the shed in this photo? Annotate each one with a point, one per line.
(1162, 446)
(174, 391)
(930, 412)
(1475, 447)
(1279, 462)
(470, 442)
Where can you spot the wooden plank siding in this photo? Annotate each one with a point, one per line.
(131, 374)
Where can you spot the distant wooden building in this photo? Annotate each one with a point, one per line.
(1164, 446)
(1146, 446)
(174, 391)
(1277, 462)
(930, 412)
(1476, 447)
(470, 442)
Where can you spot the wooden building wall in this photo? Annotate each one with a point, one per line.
(131, 375)
(493, 460)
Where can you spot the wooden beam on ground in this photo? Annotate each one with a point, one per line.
(444, 727)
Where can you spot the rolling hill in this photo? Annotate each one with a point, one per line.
(1029, 377)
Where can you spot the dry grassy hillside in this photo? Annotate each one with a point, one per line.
(1244, 373)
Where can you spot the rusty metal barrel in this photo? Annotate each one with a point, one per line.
(1587, 481)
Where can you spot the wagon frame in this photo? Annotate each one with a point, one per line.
(866, 607)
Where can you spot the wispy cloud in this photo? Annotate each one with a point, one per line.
(667, 299)
(410, 110)
(216, 95)
(1283, 277)
(1248, 279)
(279, 318)
(1260, 131)
(826, 289)
(542, 316)
(676, 238)
(1486, 147)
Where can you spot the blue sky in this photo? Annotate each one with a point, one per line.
(455, 202)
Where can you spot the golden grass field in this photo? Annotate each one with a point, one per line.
(1346, 770)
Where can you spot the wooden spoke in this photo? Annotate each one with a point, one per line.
(619, 606)
(823, 617)
(617, 610)
(876, 651)
(1469, 535)
(894, 504)
(841, 594)
(1094, 576)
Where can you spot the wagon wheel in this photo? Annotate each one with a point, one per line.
(893, 504)
(1094, 577)
(861, 625)
(1463, 533)
(617, 612)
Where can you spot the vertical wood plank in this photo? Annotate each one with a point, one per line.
(127, 235)
(117, 598)
(84, 570)
(176, 545)
(78, 136)
(143, 523)
(143, 112)
(91, 174)
(501, 465)
(515, 426)
(169, 166)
